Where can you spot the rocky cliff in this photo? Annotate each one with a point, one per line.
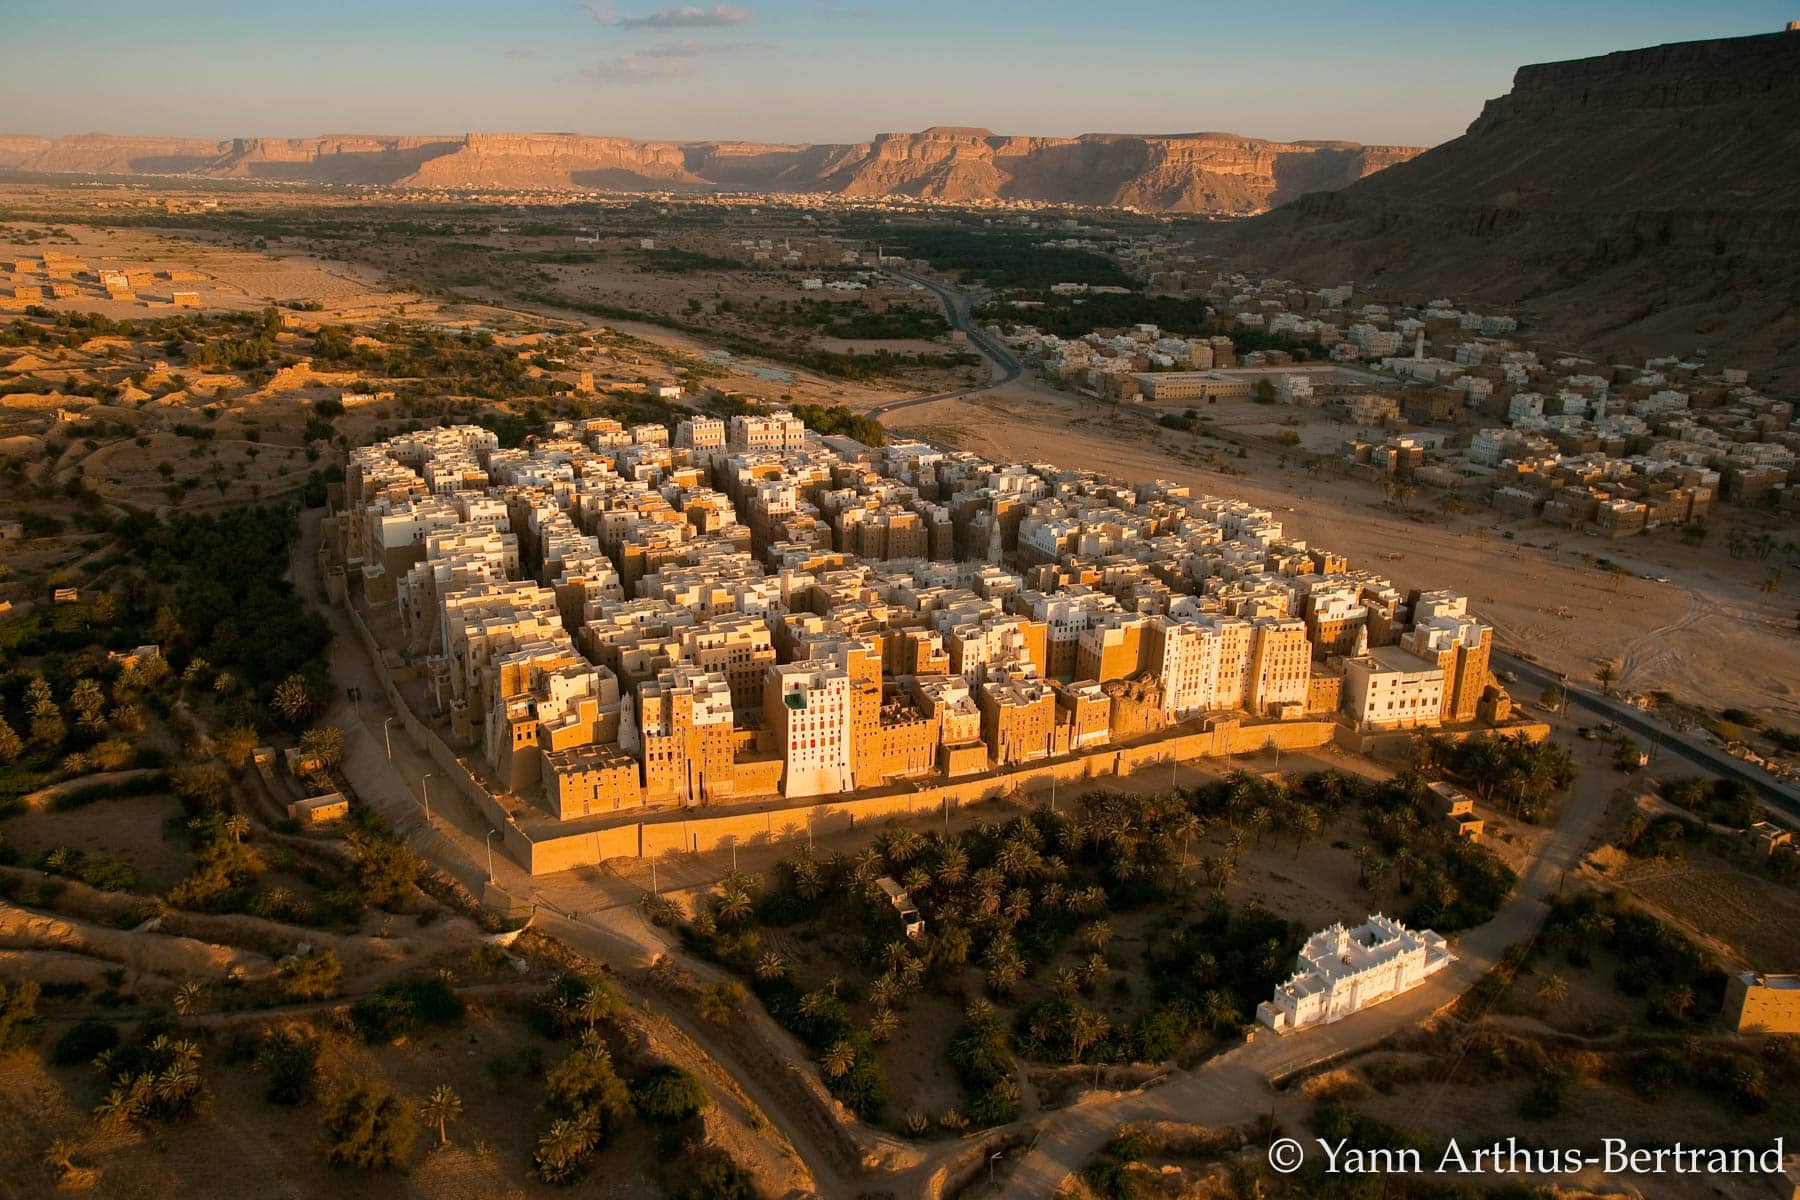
(1649, 199)
(1199, 172)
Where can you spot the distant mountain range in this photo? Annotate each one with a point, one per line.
(1218, 173)
(1647, 200)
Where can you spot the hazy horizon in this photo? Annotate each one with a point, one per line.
(804, 71)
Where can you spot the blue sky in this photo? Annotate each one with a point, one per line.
(1404, 71)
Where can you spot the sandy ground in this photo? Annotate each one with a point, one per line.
(132, 827)
(233, 279)
(1709, 635)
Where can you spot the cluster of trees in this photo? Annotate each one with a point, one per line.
(1721, 1071)
(88, 718)
(1666, 836)
(836, 419)
(219, 594)
(1028, 901)
(1001, 260)
(463, 363)
(586, 1097)
(1678, 981)
(859, 321)
(1510, 770)
(1077, 316)
(1725, 801)
(879, 365)
(249, 346)
(152, 1080)
(981, 1053)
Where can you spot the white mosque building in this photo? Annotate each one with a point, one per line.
(1341, 971)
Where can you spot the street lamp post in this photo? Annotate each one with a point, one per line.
(490, 853)
(425, 793)
(387, 738)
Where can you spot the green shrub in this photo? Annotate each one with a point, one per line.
(289, 1064)
(368, 1127)
(395, 1010)
(669, 1095)
(84, 1041)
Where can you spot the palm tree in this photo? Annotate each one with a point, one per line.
(237, 825)
(1554, 989)
(901, 846)
(1018, 905)
(952, 866)
(188, 997)
(1377, 871)
(1406, 863)
(292, 699)
(839, 1059)
(565, 1147)
(1306, 824)
(883, 1024)
(1097, 934)
(734, 906)
(1094, 970)
(440, 1108)
(593, 1007)
(1085, 1028)
(770, 966)
(1362, 854)
(59, 1156)
(1607, 673)
(1004, 975)
(1259, 820)
(120, 1106)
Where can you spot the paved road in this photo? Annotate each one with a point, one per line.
(1003, 366)
(1774, 792)
(1236, 1086)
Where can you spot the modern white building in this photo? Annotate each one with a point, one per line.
(1389, 688)
(1341, 971)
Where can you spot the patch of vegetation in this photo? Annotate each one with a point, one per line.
(368, 1127)
(396, 1010)
(289, 1065)
(1725, 801)
(153, 1080)
(669, 1095)
(587, 1101)
(1678, 981)
(19, 1024)
(1511, 771)
(1001, 260)
(83, 1042)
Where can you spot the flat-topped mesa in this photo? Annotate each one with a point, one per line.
(1764, 68)
(1205, 172)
